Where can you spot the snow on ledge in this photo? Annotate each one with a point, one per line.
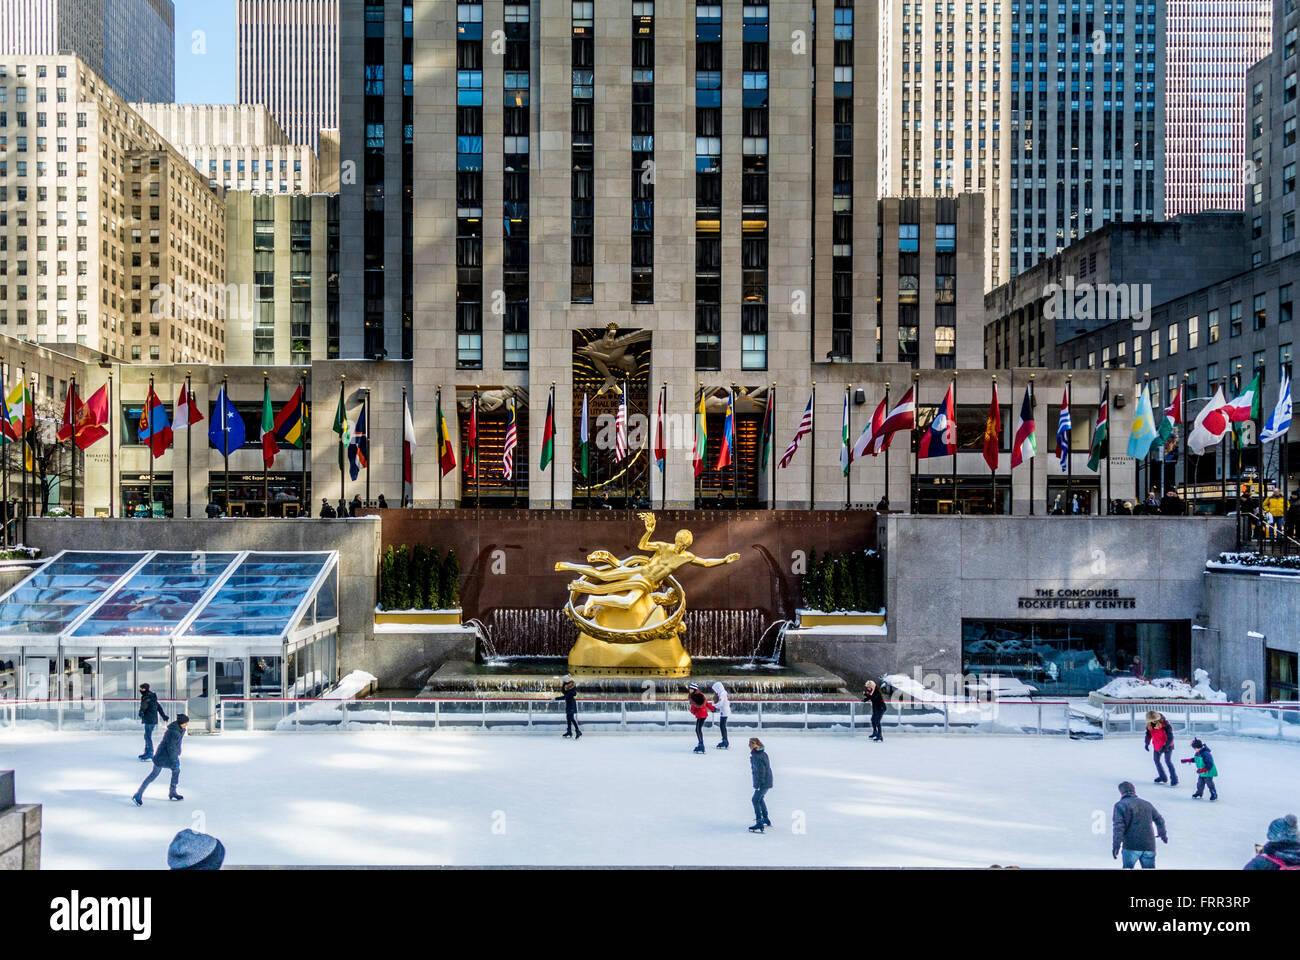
(422, 628)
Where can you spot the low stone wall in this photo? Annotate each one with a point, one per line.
(20, 829)
(857, 657)
(1246, 614)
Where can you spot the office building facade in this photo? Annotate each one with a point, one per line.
(289, 61)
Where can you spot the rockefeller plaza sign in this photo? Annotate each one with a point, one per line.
(1076, 598)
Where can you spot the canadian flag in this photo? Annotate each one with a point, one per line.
(1211, 424)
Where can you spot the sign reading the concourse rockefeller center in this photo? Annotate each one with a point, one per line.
(1077, 598)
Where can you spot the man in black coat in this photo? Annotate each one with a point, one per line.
(876, 697)
(355, 507)
(168, 756)
(1172, 505)
(1293, 517)
(760, 769)
(150, 711)
(326, 511)
(1135, 823)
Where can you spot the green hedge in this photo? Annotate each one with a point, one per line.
(417, 578)
(853, 580)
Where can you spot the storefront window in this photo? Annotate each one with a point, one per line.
(9, 674)
(115, 676)
(135, 495)
(281, 497)
(155, 670)
(228, 677)
(1282, 675)
(264, 677)
(1072, 658)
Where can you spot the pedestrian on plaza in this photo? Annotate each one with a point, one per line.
(1293, 516)
(700, 709)
(1282, 852)
(883, 505)
(326, 511)
(760, 771)
(873, 695)
(1135, 824)
(191, 850)
(1161, 736)
(723, 701)
(1274, 510)
(149, 712)
(569, 694)
(1172, 504)
(1206, 771)
(167, 757)
(342, 509)
(383, 504)
(356, 506)
(213, 510)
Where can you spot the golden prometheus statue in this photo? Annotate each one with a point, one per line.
(629, 612)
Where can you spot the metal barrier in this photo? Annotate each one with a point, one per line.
(82, 715)
(1266, 720)
(943, 716)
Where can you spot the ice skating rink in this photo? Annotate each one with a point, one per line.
(627, 799)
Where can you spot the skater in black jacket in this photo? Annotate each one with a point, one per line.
(760, 769)
(167, 757)
(1282, 852)
(150, 711)
(569, 694)
(876, 697)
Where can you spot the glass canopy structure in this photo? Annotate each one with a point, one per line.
(93, 625)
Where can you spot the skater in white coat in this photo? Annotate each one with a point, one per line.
(723, 703)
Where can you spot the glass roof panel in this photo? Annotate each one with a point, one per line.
(51, 598)
(260, 597)
(158, 596)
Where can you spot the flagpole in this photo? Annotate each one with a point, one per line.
(735, 449)
(112, 493)
(1069, 445)
(955, 507)
(551, 403)
(304, 432)
(771, 441)
(438, 430)
(1182, 437)
(225, 435)
(1108, 444)
(1032, 398)
(266, 479)
(1221, 454)
(812, 452)
(886, 448)
(914, 461)
(369, 451)
(342, 471)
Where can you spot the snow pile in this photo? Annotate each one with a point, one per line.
(1254, 563)
(327, 709)
(351, 685)
(1163, 688)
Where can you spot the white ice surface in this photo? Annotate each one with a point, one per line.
(433, 798)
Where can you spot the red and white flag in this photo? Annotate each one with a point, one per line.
(620, 428)
(512, 440)
(870, 440)
(408, 441)
(1210, 426)
(187, 411)
(805, 428)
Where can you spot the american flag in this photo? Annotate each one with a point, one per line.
(805, 428)
(512, 439)
(620, 427)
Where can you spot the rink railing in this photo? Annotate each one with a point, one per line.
(1276, 721)
(82, 715)
(1004, 716)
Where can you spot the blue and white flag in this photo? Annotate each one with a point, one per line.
(1279, 421)
(226, 428)
(1063, 427)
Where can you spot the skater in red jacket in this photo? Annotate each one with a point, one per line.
(700, 710)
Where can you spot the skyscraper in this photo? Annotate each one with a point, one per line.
(289, 61)
(1211, 45)
(131, 44)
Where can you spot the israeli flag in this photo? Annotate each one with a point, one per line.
(1279, 421)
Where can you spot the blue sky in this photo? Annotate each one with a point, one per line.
(206, 64)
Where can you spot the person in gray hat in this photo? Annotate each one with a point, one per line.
(191, 850)
(167, 757)
(1282, 852)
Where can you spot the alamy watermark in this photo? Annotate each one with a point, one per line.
(1099, 301)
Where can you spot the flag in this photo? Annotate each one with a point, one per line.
(92, 419)
(661, 448)
(1279, 421)
(993, 430)
(1100, 431)
(548, 433)
(1144, 429)
(766, 433)
(154, 425)
(902, 417)
(269, 447)
(471, 441)
(1063, 428)
(359, 443)
(1025, 445)
(226, 428)
(512, 441)
(446, 454)
(941, 439)
(846, 449)
(6, 430)
(701, 437)
(870, 436)
(728, 436)
(187, 411)
(1173, 417)
(71, 404)
(805, 428)
(1210, 424)
(408, 443)
(620, 428)
(1243, 408)
(342, 428)
(583, 447)
(22, 415)
(291, 423)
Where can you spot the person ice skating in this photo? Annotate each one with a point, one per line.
(150, 711)
(760, 768)
(1135, 824)
(700, 710)
(1161, 736)
(167, 757)
(1282, 852)
(1205, 770)
(191, 850)
(723, 701)
(876, 697)
(569, 694)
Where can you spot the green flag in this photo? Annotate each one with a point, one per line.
(1099, 432)
(341, 426)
